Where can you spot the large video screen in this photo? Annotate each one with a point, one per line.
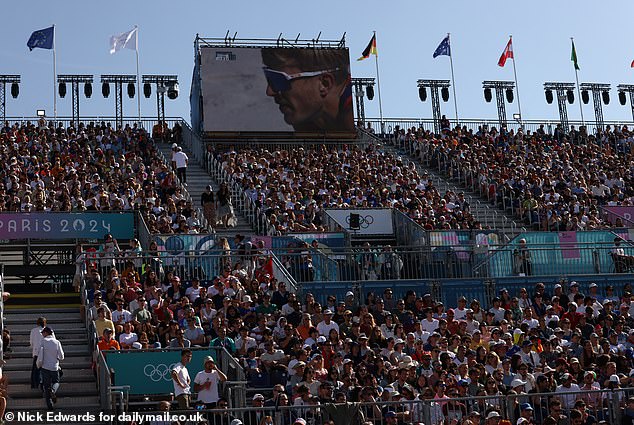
(276, 89)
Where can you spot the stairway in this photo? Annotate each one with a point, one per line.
(78, 388)
(485, 213)
(197, 181)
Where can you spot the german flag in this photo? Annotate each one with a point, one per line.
(370, 50)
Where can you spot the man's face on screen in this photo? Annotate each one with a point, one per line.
(302, 104)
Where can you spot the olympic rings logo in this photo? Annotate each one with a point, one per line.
(364, 221)
(158, 373)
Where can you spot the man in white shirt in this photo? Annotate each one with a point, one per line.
(48, 358)
(35, 339)
(327, 324)
(179, 161)
(206, 383)
(567, 386)
(181, 380)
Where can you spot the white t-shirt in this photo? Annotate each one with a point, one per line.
(429, 326)
(324, 329)
(128, 338)
(180, 158)
(183, 376)
(207, 395)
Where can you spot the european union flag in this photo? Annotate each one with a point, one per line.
(41, 38)
(443, 48)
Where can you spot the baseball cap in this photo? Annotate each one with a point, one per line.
(493, 414)
(258, 397)
(390, 414)
(208, 359)
(236, 422)
(526, 406)
(300, 421)
(328, 311)
(517, 382)
(573, 283)
(567, 376)
(321, 339)
(615, 379)
(521, 421)
(593, 285)
(47, 329)
(349, 294)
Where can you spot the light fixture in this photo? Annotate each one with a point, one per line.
(105, 89)
(422, 94)
(62, 90)
(88, 90)
(509, 95)
(571, 96)
(488, 96)
(549, 96)
(369, 92)
(585, 97)
(172, 91)
(15, 90)
(131, 90)
(606, 97)
(147, 90)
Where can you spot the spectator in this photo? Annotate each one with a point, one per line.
(181, 380)
(206, 383)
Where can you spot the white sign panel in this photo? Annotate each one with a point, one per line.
(371, 221)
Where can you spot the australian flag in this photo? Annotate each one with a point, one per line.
(443, 48)
(41, 38)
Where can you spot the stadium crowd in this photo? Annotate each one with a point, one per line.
(552, 182)
(528, 353)
(93, 167)
(292, 186)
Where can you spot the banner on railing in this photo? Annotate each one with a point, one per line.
(178, 244)
(371, 221)
(568, 243)
(625, 213)
(148, 372)
(58, 226)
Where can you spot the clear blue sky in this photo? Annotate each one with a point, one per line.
(407, 33)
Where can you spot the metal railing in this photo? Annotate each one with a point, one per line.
(390, 124)
(240, 200)
(482, 212)
(204, 265)
(604, 405)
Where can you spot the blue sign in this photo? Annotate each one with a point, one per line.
(58, 226)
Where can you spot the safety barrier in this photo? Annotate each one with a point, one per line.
(603, 405)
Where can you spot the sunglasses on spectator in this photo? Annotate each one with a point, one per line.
(280, 81)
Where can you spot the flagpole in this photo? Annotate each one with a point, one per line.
(577, 78)
(378, 84)
(54, 78)
(453, 80)
(138, 77)
(517, 87)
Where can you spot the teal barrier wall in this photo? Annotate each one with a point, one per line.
(148, 372)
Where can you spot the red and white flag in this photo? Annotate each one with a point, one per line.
(507, 53)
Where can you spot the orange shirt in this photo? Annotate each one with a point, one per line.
(108, 345)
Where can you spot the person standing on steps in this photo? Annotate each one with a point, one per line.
(181, 380)
(179, 162)
(208, 202)
(225, 208)
(35, 339)
(48, 358)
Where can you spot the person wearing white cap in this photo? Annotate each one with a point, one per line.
(493, 418)
(206, 382)
(325, 326)
(567, 386)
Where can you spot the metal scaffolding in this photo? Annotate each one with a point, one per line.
(118, 81)
(14, 80)
(433, 86)
(562, 90)
(599, 91)
(629, 89)
(500, 88)
(362, 86)
(74, 81)
(164, 84)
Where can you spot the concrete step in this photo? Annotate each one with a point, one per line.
(66, 389)
(23, 340)
(66, 328)
(79, 403)
(12, 319)
(25, 363)
(69, 351)
(70, 375)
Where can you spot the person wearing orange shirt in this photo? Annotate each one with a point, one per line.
(107, 342)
